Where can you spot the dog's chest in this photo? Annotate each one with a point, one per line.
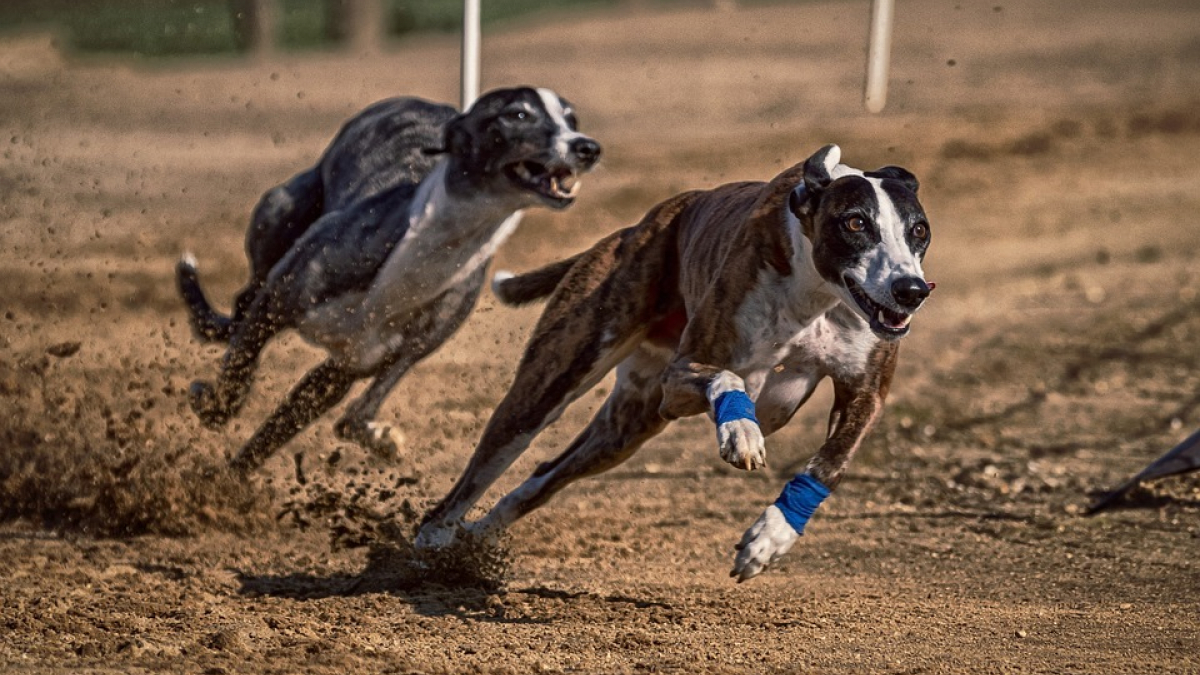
(447, 241)
(781, 325)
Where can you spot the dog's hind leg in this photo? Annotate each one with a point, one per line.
(207, 323)
(427, 331)
(599, 313)
(544, 386)
(358, 424)
(571, 350)
(321, 389)
(282, 215)
(627, 420)
(215, 403)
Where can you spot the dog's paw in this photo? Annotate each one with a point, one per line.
(437, 536)
(742, 445)
(207, 405)
(381, 440)
(767, 540)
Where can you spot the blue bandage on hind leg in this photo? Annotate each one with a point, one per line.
(800, 499)
(734, 405)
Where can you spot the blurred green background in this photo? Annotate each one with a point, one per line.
(165, 28)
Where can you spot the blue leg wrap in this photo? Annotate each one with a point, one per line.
(734, 405)
(800, 499)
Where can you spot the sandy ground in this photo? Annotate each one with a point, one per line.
(1056, 145)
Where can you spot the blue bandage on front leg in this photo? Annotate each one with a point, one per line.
(800, 499)
(734, 405)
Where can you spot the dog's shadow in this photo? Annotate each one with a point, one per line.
(463, 581)
(466, 581)
(1137, 498)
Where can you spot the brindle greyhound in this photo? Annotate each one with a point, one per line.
(379, 252)
(735, 302)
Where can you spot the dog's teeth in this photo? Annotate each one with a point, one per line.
(523, 172)
(565, 186)
(902, 322)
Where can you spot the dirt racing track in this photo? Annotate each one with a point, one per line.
(1056, 144)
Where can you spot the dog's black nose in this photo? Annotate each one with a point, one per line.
(587, 150)
(910, 292)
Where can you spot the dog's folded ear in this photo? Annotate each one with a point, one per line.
(896, 173)
(818, 174)
(458, 137)
(818, 169)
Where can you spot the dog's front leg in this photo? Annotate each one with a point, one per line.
(739, 436)
(691, 388)
(858, 401)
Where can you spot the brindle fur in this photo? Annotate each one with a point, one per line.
(658, 302)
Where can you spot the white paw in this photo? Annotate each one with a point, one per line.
(742, 444)
(435, 536)
(767, 540)
(387, 440)
(381, 440)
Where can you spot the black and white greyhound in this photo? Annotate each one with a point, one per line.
(378, 253)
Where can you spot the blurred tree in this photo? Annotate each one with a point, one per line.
(357, 24)
(253, 25)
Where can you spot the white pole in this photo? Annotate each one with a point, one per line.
(879, 50)
(470, 53)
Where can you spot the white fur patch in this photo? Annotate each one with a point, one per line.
(498, 278)
(554, 108)
(767, 540)
(832, 158)
(725, 381)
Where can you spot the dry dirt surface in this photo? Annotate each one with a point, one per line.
(1057, 146)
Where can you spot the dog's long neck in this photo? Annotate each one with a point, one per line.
(443, 210)
(808, 295)
(450, 236)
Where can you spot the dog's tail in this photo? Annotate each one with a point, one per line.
(521, 289)
(208, 324)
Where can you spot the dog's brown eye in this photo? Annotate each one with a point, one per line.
(920, 231)
(856, 224)
(516, 116)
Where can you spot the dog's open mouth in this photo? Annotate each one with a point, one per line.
(559, 184)
(886, 323)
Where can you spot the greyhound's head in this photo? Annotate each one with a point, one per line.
(868, 234)
(521, 143)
